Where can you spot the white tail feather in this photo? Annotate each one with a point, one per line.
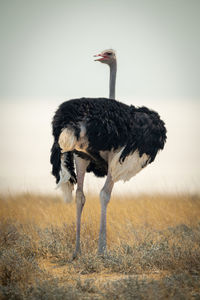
(64, 183)
(67, 188)
(67, 140)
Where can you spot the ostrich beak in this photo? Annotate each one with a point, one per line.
(102, 57)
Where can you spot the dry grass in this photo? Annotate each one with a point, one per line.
(153, 242)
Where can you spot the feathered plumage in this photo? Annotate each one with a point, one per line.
(109, 124)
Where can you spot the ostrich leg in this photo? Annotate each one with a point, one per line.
(81, 166)
(104, 198)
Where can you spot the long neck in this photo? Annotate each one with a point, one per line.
(113, 72)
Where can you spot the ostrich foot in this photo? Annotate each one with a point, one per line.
(76, 254)
(102, 252)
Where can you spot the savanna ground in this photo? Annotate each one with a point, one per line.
(153, 248)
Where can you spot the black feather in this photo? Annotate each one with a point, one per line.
(55, 160)
(69, 164)
(109, 124)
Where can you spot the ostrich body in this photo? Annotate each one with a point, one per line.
(105, 137)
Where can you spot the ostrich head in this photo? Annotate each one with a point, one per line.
(107, 57)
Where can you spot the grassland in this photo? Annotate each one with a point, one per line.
(153, 248)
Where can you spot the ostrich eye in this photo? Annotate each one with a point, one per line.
(109, 53)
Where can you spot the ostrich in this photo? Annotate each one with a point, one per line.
(106, 137)
(109, 57)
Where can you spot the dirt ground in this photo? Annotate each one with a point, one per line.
(153, 248)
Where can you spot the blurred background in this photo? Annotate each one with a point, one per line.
(46, 57)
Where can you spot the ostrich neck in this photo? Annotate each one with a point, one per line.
(113, 72)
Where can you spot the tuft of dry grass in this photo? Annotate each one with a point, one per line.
(153, 248)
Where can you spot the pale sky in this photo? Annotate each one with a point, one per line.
(47, 47)
(46, 57)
